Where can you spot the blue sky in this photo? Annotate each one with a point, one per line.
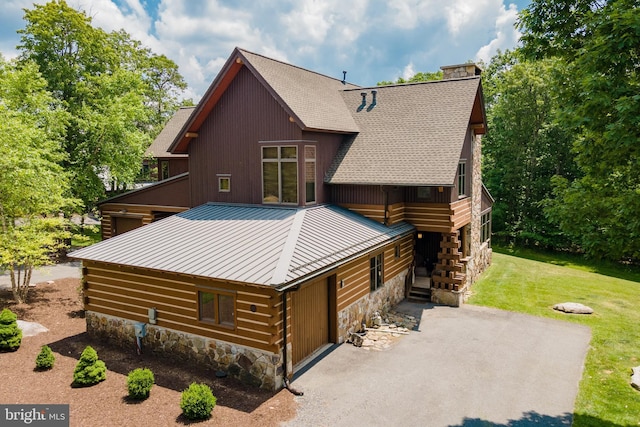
(373, 40)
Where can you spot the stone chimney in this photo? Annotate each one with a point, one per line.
(459, 71)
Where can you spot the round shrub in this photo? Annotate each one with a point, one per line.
(10, 334)
(45, 358)
(197, 402)
(139, 383)
(89, 370)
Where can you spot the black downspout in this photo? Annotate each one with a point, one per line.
(285, 377)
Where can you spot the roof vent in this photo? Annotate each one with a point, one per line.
(344, 77)
(364, 101)
(373, 101)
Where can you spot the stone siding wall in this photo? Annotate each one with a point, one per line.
(351, 318)
(249, 365)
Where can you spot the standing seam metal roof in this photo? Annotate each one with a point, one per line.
(271, 246)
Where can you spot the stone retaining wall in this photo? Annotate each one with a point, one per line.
(249, 365)
(389, 294)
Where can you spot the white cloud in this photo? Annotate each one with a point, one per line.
(506, 35)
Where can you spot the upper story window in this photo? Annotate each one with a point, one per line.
(224, 183)
(164, 169)
(310, 173)
(462, 179)
(280, 175)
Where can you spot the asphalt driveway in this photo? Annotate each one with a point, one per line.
(468, 366)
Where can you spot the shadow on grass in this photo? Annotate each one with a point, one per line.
(623, 271)
(530, 419)
(173, 374)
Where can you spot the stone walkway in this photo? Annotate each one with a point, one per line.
(393, 326)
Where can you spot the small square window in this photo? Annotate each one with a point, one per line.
(224, 184)
(424, 193)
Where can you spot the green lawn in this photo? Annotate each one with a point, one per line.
(533, 282)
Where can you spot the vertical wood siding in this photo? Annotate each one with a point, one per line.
(228, 142)
(310, 319)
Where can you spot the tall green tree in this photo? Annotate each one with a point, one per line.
(600, 43)
(525, 147)
(117, 92)
(34, 188)
(418, 77)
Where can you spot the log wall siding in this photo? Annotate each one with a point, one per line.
(436, 217)
(128, 293)
(144, 212)
(355, 275)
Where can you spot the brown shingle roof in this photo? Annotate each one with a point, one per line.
(160, 146)
(412, 136)
(313, 99)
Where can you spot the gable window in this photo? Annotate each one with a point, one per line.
(164, 169)
(462, 179)
(310, 173)
(217, 307)
(375, 271)
(280, 175)
(224, 183)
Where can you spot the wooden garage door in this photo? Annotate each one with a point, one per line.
(309, 319)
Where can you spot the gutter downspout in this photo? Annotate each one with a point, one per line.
(285, 376)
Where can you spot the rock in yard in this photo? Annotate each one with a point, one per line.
(635, 378)
(573, 307)
(356, 339)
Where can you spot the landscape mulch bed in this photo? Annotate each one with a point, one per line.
(58, 307)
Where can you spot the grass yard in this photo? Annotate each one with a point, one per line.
(530, 282)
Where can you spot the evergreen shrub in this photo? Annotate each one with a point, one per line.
(139, 383)
(10, 333)
(45, 358)
(197, 402)
(90, 370)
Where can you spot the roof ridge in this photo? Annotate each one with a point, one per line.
(286, 256)
(294, 66)
(413, 83)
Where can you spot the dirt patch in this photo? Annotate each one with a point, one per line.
(58, 308)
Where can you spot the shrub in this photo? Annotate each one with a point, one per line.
(45, 358)
(197, 402)
(139, 383)
(89, 370)
(10, 334)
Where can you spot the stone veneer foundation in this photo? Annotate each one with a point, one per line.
(389, 294)
(249, 365)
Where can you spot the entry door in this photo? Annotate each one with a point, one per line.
(310, 319)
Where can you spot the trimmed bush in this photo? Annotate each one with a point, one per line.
(139, 383)
(90, 370)
(197, 402)
(10, 334)
(45, 358)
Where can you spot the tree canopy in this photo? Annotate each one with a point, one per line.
(599, 41)
(118, 94)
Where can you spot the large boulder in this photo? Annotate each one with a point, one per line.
(635, 378)
(573, 307)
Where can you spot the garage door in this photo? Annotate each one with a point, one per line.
(309, 319)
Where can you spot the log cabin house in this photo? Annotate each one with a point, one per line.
(310, 203)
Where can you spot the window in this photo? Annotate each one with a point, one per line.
(310, 173)
(164, 169)
(396, 251)
(424, 193)
(375, 271)
(462, 179)
(224, 183)
(485, 227)
(280, 175)
(217, 307)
